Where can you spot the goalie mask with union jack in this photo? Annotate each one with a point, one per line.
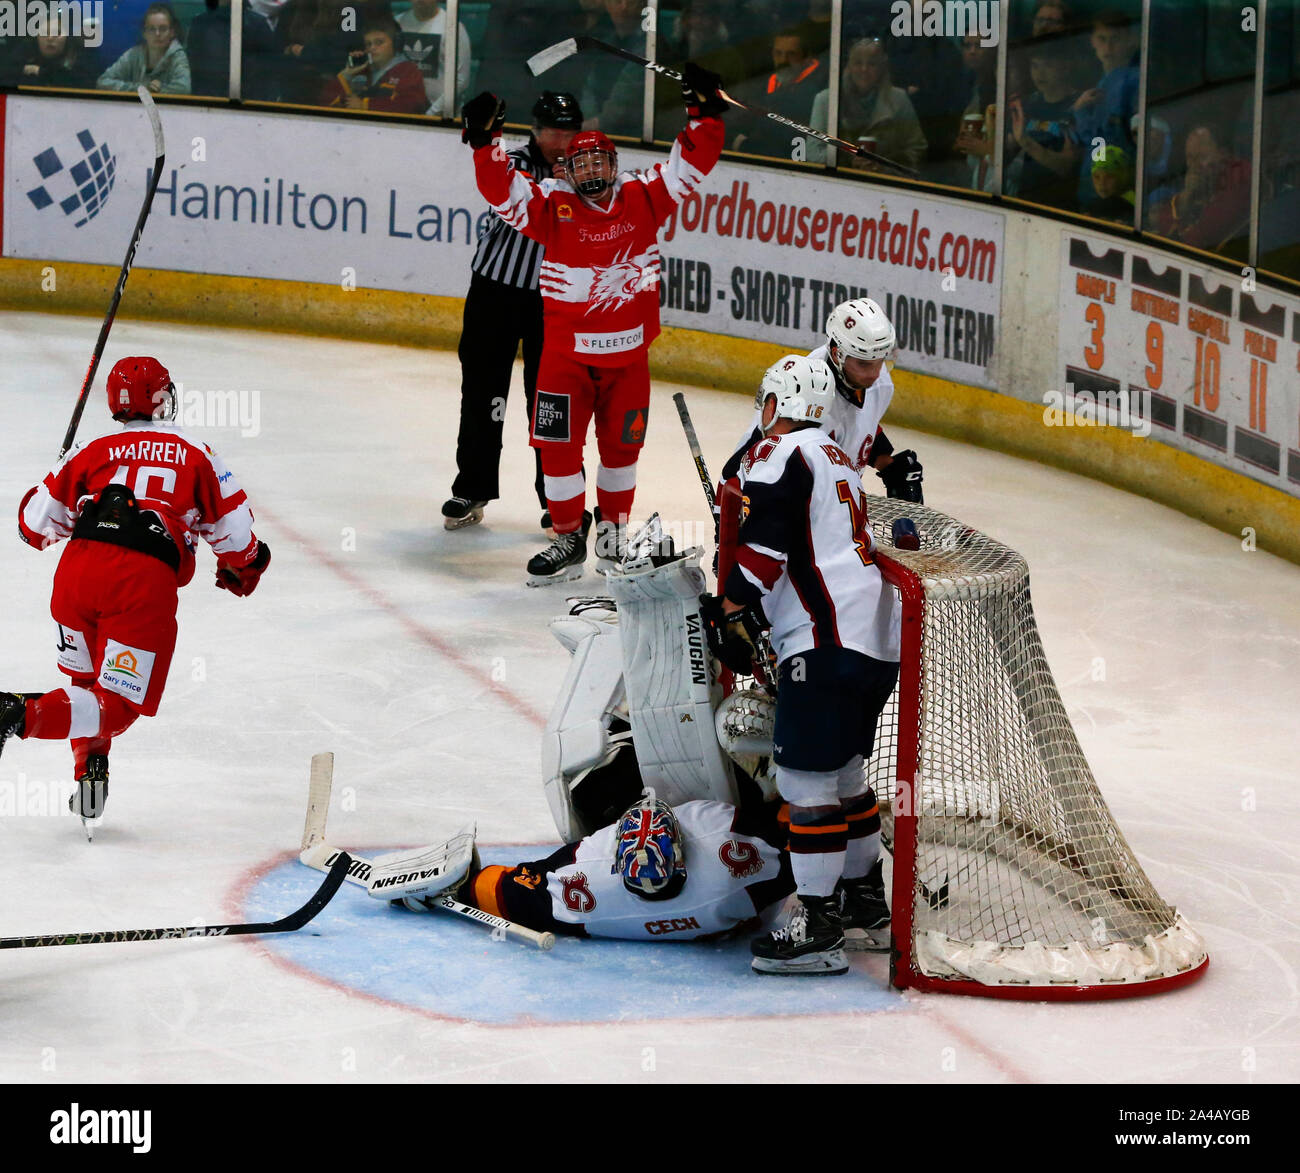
(648, 850)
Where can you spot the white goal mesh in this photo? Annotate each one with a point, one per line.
(1010, 875)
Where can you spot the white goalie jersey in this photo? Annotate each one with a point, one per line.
(640, 708)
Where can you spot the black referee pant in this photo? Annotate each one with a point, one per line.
(497, 318)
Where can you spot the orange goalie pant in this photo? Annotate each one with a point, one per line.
(569, 394)
(115, 610)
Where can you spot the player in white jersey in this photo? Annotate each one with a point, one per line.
(806, 554)
(859, 338)
(660, 873)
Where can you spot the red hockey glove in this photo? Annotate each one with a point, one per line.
(243, 581)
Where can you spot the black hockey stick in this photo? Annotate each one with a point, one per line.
(697, 454)
(155, 124)
(287, 924)
(539, 63)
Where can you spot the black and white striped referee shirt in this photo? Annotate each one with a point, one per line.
(506, 255)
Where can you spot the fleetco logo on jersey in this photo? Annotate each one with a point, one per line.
(126, 671)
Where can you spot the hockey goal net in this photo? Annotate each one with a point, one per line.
(1010, 876)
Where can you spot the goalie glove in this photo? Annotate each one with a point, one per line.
(424, 872)
(481, 119)
(733, 638)
(242, 581)
(700, 91)
(902, 477)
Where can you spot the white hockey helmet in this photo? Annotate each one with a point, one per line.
(804, 388)
(858, 329)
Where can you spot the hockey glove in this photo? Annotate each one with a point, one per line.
(700, 91)
(733, 639)
(902, 477)
(243, 581)
(482, 119)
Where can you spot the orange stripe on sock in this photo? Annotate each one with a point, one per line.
(831, 829)
(871, 814)
(486, 886)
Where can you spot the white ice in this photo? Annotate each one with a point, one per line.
(420, 659)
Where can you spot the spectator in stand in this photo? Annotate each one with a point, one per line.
(1106, 111)
(58, 61)
(158, 62)
(790, 89)
(208, 48)
(1045, 150)
(929, 70)
(386, 80)
(815, 27)
(1112, 182)
(1213, 205)
(424, 26)
(315, 41)
(975, 140)
(706, 39)
(872, 108)
(119, 28)
(612, 95)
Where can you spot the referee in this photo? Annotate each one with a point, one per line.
(502, 309)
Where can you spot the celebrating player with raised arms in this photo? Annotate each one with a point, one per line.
(859, 338)
(600, 297)
(129, 505)
(806, 554)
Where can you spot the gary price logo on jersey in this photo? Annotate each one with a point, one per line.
(76, 174)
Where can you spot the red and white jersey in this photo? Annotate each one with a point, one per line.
(853, 428)
(731, 878)
(806, 549)
(179, 478)
(600, 275)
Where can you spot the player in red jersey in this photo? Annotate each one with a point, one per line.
(600, 297)
(130, 505)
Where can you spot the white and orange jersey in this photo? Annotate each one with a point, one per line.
(854, 428)
(600, 274)
(180, 479)
(806, 550)
(733, 876)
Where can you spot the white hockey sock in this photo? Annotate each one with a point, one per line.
(861, 856)
(817, 874)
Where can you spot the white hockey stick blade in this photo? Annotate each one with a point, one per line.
(550, 57)
(155, 122)
(318, 799)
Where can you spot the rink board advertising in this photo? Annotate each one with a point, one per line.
(1206, 361)
(754, 253)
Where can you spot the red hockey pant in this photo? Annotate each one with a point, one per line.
(116, 615)
(569, 394)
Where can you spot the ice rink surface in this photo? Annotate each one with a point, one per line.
(419, 658)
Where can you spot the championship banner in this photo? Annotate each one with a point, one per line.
(766, 254)
(1198, 358)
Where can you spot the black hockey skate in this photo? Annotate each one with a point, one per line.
(91, 795)
(864, 911)
(458, 512)
(13, 714)
(563, 560)
(810, 945)
(610, 546)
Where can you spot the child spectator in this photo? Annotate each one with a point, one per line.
(158, 62)
(387, 80)
(1112, 181)
(423, 26)
(1043, 134)
(58, 61)
(1106, 111)
(870, 107)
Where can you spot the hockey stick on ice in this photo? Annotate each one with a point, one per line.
(155, 124)
(318, 854)
(697, 453)
(287, 924)
(539, 63)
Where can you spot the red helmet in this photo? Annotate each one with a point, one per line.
(586, 143)
(140, 389)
